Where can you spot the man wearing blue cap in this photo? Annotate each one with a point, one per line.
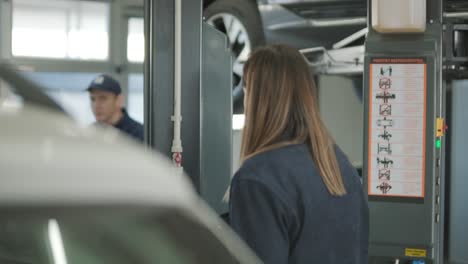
(107, 104)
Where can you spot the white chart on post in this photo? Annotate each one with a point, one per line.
(397, 114)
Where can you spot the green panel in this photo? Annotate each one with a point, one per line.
(397, 223)
(216, 118)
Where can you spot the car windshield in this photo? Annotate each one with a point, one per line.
(107, 237)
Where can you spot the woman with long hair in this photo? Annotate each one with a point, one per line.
(296, 197)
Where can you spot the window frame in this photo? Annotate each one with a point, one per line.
(7, 32)
(116, 65)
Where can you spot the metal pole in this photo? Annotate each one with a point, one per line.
(177, 117)
(148, 68)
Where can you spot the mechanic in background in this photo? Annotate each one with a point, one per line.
(107, 103)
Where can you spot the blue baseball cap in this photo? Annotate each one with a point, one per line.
(105, 83)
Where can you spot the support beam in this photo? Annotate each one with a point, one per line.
(159, 80)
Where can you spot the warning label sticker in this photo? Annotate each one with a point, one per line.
(413, 252)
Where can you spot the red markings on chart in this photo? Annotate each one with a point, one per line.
(385, 109)
(385, 83)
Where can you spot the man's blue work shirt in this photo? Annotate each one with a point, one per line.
(282, 209)
(130, 126)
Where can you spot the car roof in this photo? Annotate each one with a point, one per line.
(47, 159)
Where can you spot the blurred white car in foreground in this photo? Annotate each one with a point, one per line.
(70, 194)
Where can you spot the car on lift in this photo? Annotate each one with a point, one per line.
(71, 194)
(300, 23)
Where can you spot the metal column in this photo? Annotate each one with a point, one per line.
(159, 79)
(457, 213)
(402, 229)
(206, 95)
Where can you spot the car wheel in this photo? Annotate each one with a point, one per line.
(240, 21)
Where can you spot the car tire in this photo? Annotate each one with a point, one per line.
(244, 10)
(247, 14)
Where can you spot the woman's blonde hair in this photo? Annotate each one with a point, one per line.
(281, 109)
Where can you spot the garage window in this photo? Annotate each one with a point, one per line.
(135, 96)
(61, 29)
(135, 40)
(68, 90)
